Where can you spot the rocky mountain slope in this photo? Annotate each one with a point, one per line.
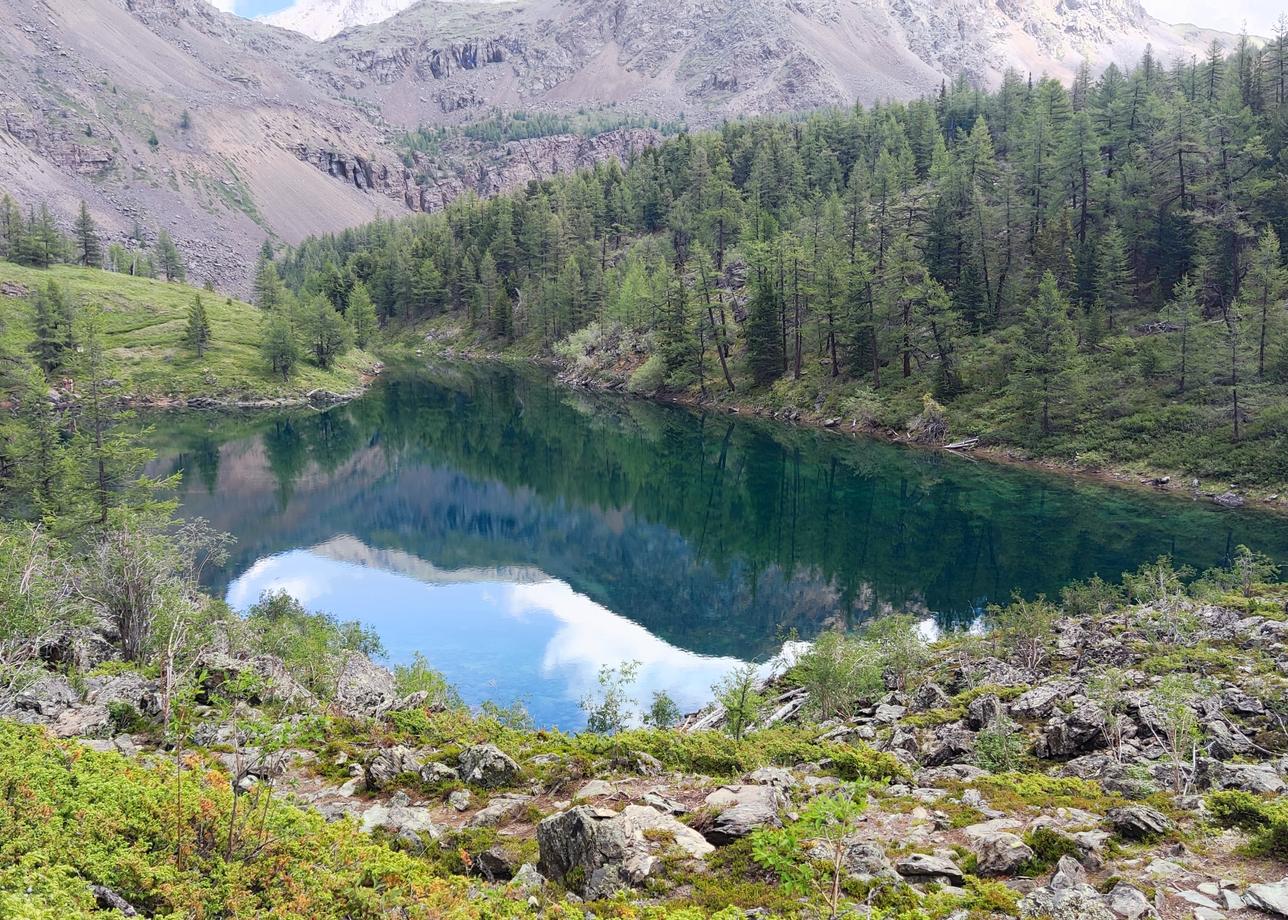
(168, 113)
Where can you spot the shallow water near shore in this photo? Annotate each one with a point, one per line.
(521, 534)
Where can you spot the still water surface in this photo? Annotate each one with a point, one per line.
(520, 534)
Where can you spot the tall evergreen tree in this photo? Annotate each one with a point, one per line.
(198, 331)
(89, 250)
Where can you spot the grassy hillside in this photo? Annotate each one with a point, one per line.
(144, 325)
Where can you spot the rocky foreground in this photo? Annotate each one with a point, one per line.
(1117, 765)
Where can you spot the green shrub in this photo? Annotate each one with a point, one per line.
(648, 377)
(418, 676)
(1266, 821)
(1000, 746)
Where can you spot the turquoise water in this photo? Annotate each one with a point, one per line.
(521, 534)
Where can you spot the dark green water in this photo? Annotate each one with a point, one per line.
(520, 534)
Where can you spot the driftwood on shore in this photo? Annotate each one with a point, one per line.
(964, 444)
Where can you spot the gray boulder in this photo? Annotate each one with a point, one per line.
(45, 698)
(390, 763)
(1139, 822)
(501, 810)
(1038, 702)
(1080, 902)
(1270, 897)
(1129, 903)
(609, 850)
(82, 722)
(952, 744)
(486, 765)
(1000, 853)
(928, 696)
(983, 711)
(922, 867)
(743, 809)
(862, 860)
(1071, 733)
(364, 688)
(130, 688)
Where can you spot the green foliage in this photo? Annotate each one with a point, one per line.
(74, 818)
(1024, 628)
(739, 694)
(611, 710)
(1048, 846)
(662, 712)
(198, 334)
(840, 673)
(648, 377)
(1000, 746)
(419, 677)
(313, 646)
(1266, 820)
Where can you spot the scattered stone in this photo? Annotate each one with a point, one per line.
(459, 799)
(664, 803)
(1000, 853)
(528, 879)
(744, 809)
(922, 867)
(434, 773)
(1129, 903)
(595, 789)
(390, 763)
(773, 776)
(107, 899)
(501, 810)
(364, 688)
(488, 766)
(609, 851)
(983, 711)
(864, 861)
(495, 864)
(686, 838)
(1270, 897)
(1139, 822)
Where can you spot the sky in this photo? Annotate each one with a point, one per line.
(1260, 15)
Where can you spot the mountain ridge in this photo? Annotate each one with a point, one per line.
(227, 132)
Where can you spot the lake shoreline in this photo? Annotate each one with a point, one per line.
(1168, 483)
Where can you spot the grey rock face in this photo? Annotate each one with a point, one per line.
(1129, 903)
(744, 809)
(1001, 853)
(922, 867)
(1270, 897)
(502, 809)
(1070, 733)
(608, 849)
(1139, 822)
(488, 766)
(390, 763)
(364, 688)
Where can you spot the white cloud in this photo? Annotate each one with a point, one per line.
(227, 6)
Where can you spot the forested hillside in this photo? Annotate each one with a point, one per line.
(1091, 273)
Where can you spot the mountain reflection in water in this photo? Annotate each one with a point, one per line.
(520, 534)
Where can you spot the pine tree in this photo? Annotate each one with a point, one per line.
(766, 359)
(270, 293)
(279, 345)
(53, 327)
(326, 332)
(1265, 288)
(361, 313)
(198, 333)
(1045, 358)
(89, 251)
(1113, 275)
(168, 255)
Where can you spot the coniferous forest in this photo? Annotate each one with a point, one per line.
(1090, 272)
